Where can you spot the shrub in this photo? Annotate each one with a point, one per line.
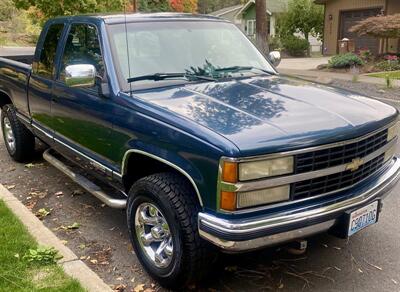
(366, 55)
(388, 65)
(274, 43)
(295, 46)
(345, 61)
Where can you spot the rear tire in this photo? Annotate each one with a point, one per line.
(19, 141)
(170, 198)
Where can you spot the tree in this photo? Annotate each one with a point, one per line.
(184, 5)
(304, 17)
(154, 5)
(207, 6)
(7, 10)
(50, 8)
(382, 27)
(261, 26)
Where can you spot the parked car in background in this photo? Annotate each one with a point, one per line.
(183, 122)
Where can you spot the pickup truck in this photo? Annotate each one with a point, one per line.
(183, 122)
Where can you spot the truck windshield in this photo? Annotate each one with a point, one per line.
(203, 48)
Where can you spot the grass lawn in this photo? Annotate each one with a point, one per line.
(392, 75)
(16, 273)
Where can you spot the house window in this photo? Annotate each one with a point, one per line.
(251, 27)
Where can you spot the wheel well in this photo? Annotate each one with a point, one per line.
(4, 99)
(139, 166)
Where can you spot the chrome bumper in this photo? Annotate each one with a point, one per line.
(242, 235)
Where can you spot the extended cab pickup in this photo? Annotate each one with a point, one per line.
(183, 122)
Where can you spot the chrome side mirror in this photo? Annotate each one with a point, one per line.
(275, 58)
(80, 75)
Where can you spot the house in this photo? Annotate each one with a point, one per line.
(341, 15)
(228, 13)
(244, 16)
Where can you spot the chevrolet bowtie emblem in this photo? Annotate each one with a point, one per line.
(355, 164)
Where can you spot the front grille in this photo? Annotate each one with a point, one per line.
(321, 159)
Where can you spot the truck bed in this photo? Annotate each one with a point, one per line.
(14, 78)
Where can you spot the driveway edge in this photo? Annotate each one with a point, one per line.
(70, 263)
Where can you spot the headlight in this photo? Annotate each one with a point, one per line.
(265, 168)
(393, 131)
(263, 197)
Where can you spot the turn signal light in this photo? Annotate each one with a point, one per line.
(228, 201)
(230, 172)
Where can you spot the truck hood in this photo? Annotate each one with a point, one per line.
(271, 114)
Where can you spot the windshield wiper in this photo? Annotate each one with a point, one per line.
(163, 76)
(234, 69)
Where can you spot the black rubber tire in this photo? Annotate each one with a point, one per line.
(173, 195)
(24, 139)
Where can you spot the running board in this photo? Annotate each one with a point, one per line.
(84, 182)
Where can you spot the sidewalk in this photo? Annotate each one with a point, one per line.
(327, 77)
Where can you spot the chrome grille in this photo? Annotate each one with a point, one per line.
(321, 159)
(334, 182)
(340, 155)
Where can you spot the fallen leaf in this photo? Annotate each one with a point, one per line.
(75, 225)
(395, 282)
(337, 248)
(59, 194)
(149, 290)
(337, 269)
(133, 280)
(16, 255)
(119, 287)
(77, 193)
(120, 278)
(82, 258)
(29, 165)
(361, 271)
(94, 261)
(231, 268)
(10, 187)
(64, 242)
(42, 213)
(325, 245)
(139, 288)
(82, 246)
(280, 286)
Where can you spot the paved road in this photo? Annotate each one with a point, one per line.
(369, 261)
(14, 51)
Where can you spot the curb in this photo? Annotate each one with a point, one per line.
(70, 263)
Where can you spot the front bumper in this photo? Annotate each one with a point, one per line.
(239, 235)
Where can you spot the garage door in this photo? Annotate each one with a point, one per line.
(349, 19)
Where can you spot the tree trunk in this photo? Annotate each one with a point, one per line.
(306, 36)
(134, 6)
(261, 26)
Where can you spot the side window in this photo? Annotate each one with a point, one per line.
(82, 47)
(45, 65)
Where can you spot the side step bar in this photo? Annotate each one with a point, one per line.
(84, 182)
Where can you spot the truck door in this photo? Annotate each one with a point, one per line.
(42, 79)
(82, 118)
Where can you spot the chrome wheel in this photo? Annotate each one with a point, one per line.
(153, 234)
(9, 134)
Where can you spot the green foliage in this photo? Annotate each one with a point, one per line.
(42, 255)
(345, 61)
(388, 65)
(274, 43)
(304, 17)
(295, 46)
(154, 5)
(7, 10)
(44, 9)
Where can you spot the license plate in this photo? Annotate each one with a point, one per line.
(363, 217)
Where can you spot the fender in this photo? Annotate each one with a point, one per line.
(124, 168)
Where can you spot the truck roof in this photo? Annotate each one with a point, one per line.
(141, 17)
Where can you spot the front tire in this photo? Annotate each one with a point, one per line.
(19, 141)
(162, 221)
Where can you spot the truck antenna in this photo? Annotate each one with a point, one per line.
(127, 49)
